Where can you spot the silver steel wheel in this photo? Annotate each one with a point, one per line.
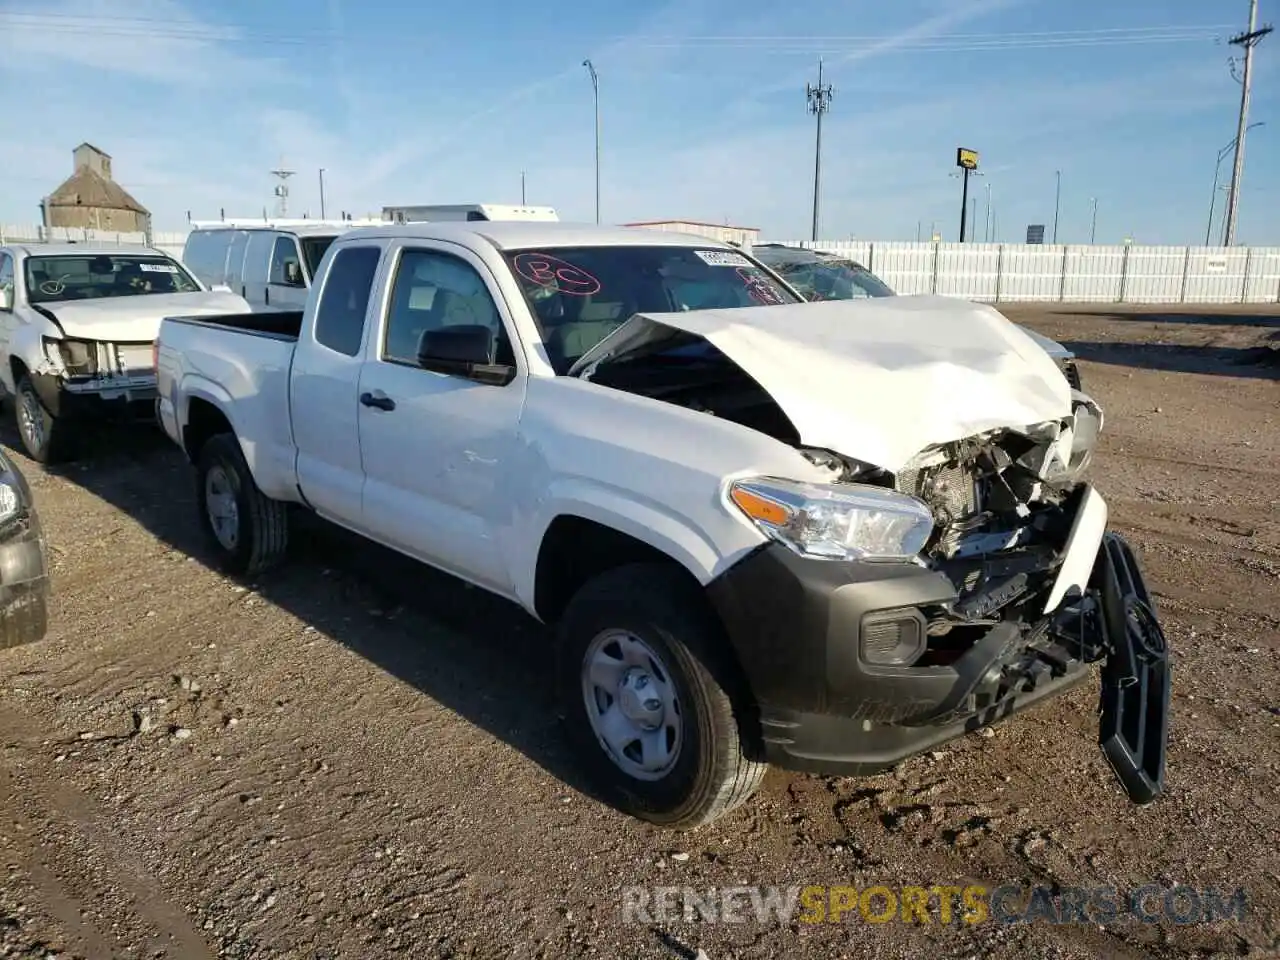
(632, 704)
(221, 507)
(31, 419)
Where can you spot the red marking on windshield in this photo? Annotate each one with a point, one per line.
(552, 272)
(760, 288)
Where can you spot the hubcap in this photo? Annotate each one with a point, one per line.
(220, 505)
(631, 704)
(31, 420)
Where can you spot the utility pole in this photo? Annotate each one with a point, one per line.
(819, 99)
(322, 193)
(1057, 202)
(1093, 223)
(595, 95)
(522, 203)
(281, 191)
(1248, 40)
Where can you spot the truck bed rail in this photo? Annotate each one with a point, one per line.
(277, 324)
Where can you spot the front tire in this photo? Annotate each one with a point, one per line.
(46, 438)
(247, 530)
(652, 701)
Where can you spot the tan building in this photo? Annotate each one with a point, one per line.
(91, 198)
(724, 232)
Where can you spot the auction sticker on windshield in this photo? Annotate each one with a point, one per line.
(723, 258)
(158, 267)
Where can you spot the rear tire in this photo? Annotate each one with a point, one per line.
(47, 439)
(651, 699)
(247, 530)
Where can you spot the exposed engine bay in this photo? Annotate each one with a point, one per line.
(1002, 501)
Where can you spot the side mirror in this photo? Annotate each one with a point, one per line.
(6, 298)
(293, 273)
(464, 351)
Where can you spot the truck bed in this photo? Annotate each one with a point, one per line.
(277, 324)
(198, 361)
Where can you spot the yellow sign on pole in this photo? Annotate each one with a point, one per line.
(967, 158)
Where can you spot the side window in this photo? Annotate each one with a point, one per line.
(344, 301)
(6, 282)
(433, 291)
(286, 264)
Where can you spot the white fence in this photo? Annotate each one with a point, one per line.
(171, 242)
(976, 271)
(1122, 274)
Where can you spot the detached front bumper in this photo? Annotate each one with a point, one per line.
(805, 632)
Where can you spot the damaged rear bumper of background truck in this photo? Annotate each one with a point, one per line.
(816, 637)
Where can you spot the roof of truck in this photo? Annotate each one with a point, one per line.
(516, 235)
(85, 250)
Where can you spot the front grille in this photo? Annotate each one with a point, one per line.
(950, 489)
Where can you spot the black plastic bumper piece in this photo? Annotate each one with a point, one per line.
(1137, 676)
(72, 405)
(798, 625)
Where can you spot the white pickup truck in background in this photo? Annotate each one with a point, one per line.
(827, 536)
(77, 327)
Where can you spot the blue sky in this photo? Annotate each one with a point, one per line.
(702, 102)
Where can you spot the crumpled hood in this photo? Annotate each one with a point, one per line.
(122, 319)
(881, 379)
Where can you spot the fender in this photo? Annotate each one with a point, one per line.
(26, 343)
(705, 550)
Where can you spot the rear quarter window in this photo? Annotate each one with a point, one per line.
(344, 299)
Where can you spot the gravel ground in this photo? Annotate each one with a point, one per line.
(356, 757)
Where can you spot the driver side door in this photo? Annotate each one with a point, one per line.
(436, 447)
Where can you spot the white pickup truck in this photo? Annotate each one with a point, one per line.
(77, 325)
(827, 536)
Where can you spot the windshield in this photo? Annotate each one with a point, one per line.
(91, 277)
(833, 280)
(313, 249)
(579, 295)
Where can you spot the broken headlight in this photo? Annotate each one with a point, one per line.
(845, 521)
(78, 357)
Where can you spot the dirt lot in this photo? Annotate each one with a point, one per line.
(359, 758)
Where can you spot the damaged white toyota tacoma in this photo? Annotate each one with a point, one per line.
(77, 327)
(827, 536)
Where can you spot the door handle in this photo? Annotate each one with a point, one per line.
(379, 400)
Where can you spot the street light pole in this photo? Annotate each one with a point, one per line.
(1217, 170)
(595, 95)
(322, 193)
(1057, 202)
(1093, 222)
(986, 237)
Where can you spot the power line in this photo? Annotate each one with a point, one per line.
(950, 42)
(147, 30)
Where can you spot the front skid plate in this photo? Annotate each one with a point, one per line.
(1133, 725)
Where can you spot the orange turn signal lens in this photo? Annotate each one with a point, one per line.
(760, 508)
